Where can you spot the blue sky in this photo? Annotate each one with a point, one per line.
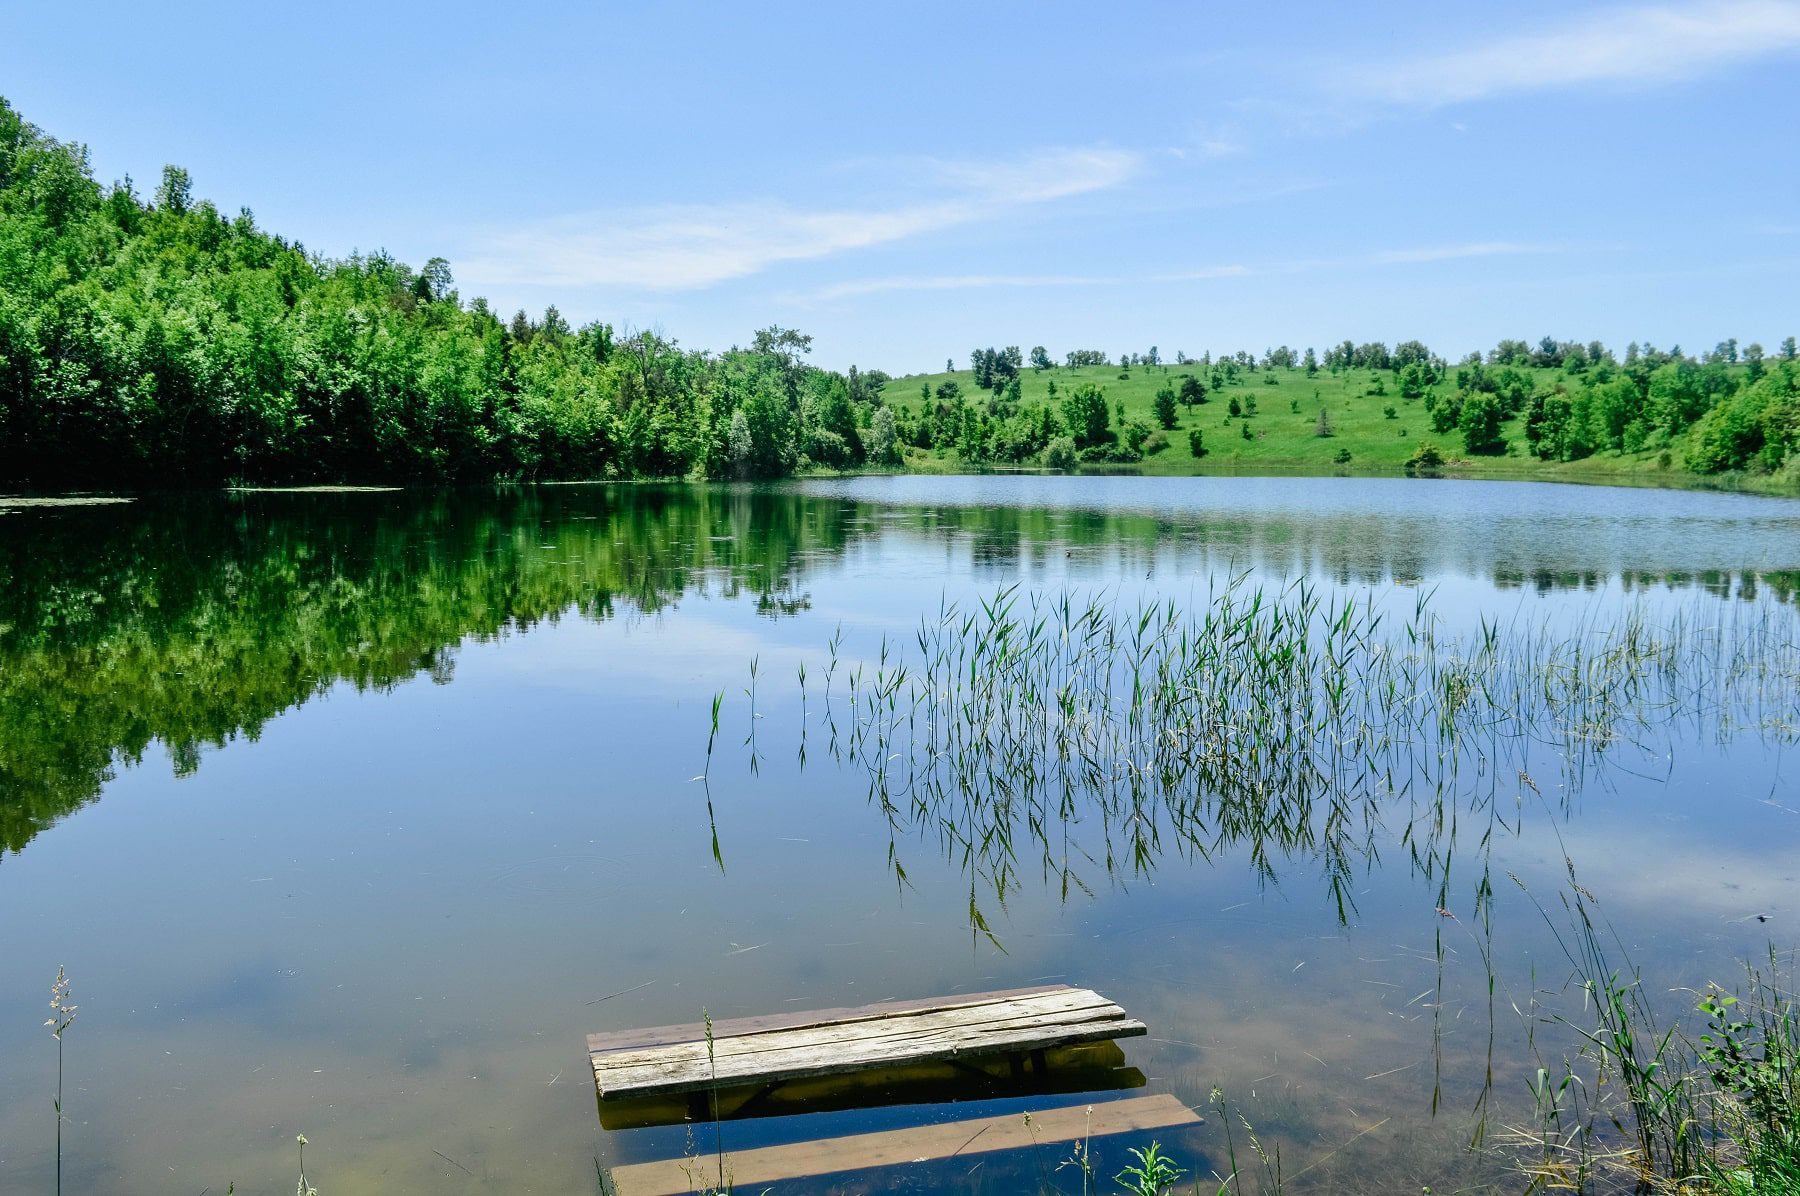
(909, 182)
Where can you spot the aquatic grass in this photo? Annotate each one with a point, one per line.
(303, 1188)
(1293, 721)
(712, 1092)
(712, 734)
(1651, 1105)
(1272, 1178)
(1153, 1174)
(1750, 1051)
(62, 1016)
(719, 1184)
(1081, 1155)
(750, 693)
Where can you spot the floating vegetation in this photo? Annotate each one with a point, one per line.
(1293, 723)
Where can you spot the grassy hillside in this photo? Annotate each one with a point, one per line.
(1284, 428)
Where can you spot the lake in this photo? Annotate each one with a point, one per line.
(351, 814)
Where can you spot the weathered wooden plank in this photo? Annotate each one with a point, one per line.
(619, 1040)
(737, 1062)
(859, 1152)
(1072, 1004)
(819, 1050)
(1093, 1067)
(688, 1076)
(1024, 1023)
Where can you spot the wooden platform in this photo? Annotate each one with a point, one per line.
(765, 1050)
(857, 1152)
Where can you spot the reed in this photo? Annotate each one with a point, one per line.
(304, 1188)
(1652, 1105)
(1294, 722)
(62, 1016)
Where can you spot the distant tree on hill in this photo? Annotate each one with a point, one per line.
(1040, 359)
(981, 364)
(1164, 406)
(1193, 391)
(1408, 352)
(1085, 415)
(1479, 423)
(1509, 352)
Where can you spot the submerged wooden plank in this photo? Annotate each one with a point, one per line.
(1015, 1024)
(859, 1152)
(619, 1040)
(1097, 1068)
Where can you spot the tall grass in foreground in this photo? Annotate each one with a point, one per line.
(1646, 1106)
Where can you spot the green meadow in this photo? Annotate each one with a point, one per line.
(1371, 428)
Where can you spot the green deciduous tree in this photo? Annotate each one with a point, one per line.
(1085, 415)
(1479, 423)
(1164, 406)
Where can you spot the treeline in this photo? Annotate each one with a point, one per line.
(1727, 410)
(158, 342)
(1730, 409)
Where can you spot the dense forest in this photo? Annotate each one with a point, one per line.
(162, 342)
(156, 343)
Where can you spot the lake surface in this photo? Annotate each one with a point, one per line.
(352, 814)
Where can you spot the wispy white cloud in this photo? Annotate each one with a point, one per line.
(1208, 140)
(952, 282)
(1202, 273)
(1643, 45)
(856, 288)
(1450, 253)
(1413, 255)
(685, 247)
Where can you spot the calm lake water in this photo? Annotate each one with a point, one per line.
(352, 814)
